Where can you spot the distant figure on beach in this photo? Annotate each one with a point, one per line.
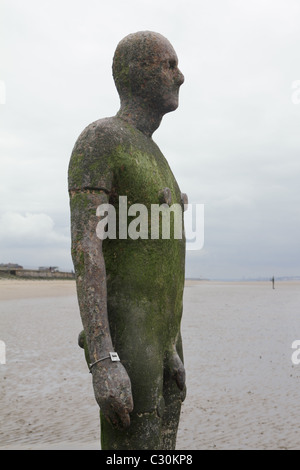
(273, 282)
(130, 290)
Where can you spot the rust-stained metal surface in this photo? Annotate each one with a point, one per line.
(130, 291)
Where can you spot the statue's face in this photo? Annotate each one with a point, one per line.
(169, 79)
(158, 77)
(146, 67)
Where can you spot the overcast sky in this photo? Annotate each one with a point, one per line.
(233, 143)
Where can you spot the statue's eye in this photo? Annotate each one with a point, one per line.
(172, 64)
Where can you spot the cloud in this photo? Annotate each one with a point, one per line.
(29, 230)
(233, 144)
(34, 240)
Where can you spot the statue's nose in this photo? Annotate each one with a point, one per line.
(179, 78)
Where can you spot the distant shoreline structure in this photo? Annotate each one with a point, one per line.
(17, 271)
(13, 270)
(244, 279)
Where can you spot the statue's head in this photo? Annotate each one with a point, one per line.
(145, 69)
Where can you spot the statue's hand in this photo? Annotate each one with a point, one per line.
(176, 369)
(113, 394)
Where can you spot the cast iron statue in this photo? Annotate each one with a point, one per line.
(130, 290)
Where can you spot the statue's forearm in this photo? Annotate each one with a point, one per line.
(112, 386)
(90, 271)
(91, 291)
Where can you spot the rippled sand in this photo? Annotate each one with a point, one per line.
(243, 390)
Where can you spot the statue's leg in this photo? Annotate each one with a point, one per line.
(146, 373)
(157, 403)
(174, 391)
(146, 420)
(144, 433)
(171, 415)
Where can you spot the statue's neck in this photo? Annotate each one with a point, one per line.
(145, 119)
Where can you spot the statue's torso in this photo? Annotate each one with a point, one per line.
(144, 276)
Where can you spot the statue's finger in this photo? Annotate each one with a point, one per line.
(180, 377)
(129, 403)
(112, 418)
(125, 419)
(122, 412)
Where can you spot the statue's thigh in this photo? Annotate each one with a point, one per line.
(145, 429)
(155, 417)
(173, 398)
(144, 364)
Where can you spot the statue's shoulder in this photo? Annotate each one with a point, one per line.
(92, 160)
(102, 136)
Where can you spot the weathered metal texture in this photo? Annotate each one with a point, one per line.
(130, 291)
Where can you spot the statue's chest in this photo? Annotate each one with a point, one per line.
(144, 177)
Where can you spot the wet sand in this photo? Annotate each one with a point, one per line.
(243, 390)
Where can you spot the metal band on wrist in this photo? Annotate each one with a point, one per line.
(112, 355)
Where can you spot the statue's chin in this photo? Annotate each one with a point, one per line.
(169, 105)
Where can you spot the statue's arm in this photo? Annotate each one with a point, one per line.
(112, 385)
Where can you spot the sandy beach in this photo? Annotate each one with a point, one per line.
(243, 390)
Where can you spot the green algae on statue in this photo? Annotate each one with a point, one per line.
(130, 290)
